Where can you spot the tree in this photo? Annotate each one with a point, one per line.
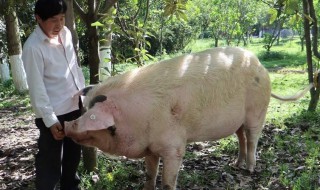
(90, 12)
(231, 20)
(14, 45)
(89, 16)
(89, 153)
(247, 12)
(310, 24)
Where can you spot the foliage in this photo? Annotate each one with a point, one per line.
(6, 88)
(166, 27)
(83, 42)
(176, 36)
(280, 13)
(213, 22)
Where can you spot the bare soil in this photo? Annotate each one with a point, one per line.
(18, 136)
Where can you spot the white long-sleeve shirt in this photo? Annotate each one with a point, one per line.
(53, 74)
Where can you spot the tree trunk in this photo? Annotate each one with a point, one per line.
(216, 41)
(302, 43)
(72, 27)
(89, 158)
(92, 7)
(89, 153)
(94, 59)
(15, 50)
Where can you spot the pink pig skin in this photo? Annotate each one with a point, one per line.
(154, 111)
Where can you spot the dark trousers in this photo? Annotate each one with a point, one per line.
(57, 160)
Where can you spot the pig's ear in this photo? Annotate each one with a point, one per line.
(84, 91)
(99, 98)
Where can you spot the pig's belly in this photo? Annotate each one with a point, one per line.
(216, 126)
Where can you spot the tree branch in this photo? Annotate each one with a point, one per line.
(147, 12)
(79, 10)
(123, 28)
(108, 4)
(98, 5)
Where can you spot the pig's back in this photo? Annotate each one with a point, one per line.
(199, 92)
(217, 66)
(222, 72)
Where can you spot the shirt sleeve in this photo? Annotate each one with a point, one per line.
(34, 67)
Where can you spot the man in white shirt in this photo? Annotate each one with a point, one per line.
(53, 77)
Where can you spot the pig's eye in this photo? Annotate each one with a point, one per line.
(92, 117)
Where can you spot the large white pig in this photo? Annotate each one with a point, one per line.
(154, 111)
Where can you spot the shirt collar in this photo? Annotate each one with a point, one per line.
(44, 37)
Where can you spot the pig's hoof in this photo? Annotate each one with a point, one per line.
(237, 164)
(167, 187)
(149, 187)
(251, 169)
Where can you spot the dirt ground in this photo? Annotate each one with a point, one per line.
(18, 136)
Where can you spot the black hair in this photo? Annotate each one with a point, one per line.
(48, 8)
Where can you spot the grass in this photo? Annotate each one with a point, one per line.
(113, 174)
(288, 151)
(9, 97)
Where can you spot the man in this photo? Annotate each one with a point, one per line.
(53, 76)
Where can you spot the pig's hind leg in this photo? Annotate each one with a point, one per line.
(253, 127)
(152, 165)
(242, 147)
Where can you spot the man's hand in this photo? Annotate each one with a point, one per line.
(57, 131)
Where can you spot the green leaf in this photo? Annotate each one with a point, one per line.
(97, 24)
(273, 15)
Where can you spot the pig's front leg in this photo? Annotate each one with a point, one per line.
(171, 166)
(152, 164)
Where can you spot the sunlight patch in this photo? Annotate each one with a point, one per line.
(185, 65)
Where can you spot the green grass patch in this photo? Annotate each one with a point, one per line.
(11, 98)
(113, 174)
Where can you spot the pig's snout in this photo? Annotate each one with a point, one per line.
(70, 127)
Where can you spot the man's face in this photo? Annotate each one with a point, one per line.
(52, 26)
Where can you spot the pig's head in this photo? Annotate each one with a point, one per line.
(95, 124)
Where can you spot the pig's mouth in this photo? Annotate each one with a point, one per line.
(81, 138)
(83, 141)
